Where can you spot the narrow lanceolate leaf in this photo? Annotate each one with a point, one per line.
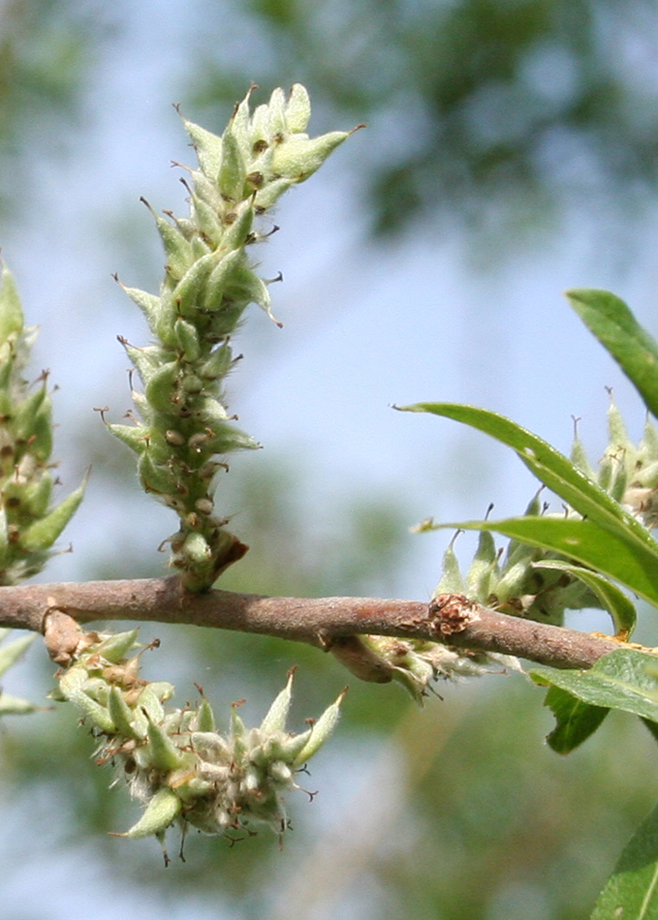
(619, 605)
(576, 720)
(626, 679)
(551, 467)
(614, 325)
(629, 563)
(632, 890)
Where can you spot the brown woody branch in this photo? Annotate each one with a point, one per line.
(329, 622)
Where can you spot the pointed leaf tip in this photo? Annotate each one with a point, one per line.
(611, 321)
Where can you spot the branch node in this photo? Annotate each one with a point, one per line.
(61, 633)
(452, 614)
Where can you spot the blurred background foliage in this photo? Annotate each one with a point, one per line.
(479, 110)
(482, 114)
(46, 51)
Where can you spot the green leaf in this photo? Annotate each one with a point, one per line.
(626, 679)
(619, 606)
(576, 720)
(613, 324)
(551, 467)
(609, 553)
(632, 890)
(9, 655)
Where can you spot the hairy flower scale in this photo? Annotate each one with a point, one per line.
(209, 281)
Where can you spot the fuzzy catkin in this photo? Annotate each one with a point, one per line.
(184, 429)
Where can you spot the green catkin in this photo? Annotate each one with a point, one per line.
(29, 525)
(174, 761)
(209, 281)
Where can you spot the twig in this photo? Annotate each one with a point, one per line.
(321, 622)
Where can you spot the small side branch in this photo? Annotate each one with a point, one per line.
(321, 622)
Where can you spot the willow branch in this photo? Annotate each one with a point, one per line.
(326, 623)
